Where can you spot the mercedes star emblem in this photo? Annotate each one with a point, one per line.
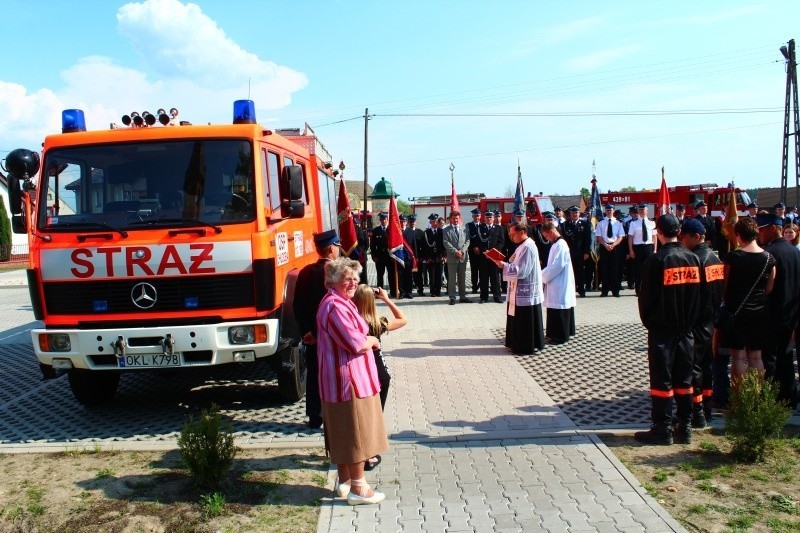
(144, 295)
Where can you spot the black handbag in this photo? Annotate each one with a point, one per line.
(724, 320)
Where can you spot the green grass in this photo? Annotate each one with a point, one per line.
(319, 480)
(709, 447)
(662, 475)
(697, 508)
(759, 476)
(105, 472)
(785, 504)
(213, 504)
(708, 487)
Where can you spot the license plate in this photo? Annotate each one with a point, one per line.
(149, 361)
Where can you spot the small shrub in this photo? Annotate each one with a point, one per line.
(5, 233)
(207, 447)
(755, 418)
(213, 504)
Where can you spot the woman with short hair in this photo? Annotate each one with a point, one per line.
(791, 232)
(749, 270)
(348, 383)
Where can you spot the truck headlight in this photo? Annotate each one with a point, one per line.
(55, 342)
(247, 334)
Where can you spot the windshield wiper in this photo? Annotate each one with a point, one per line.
(86, 224)
(184, 222)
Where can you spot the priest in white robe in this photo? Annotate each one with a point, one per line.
(559, 288)
(524, 326)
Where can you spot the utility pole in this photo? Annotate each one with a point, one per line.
(366, 172)
(791, 104)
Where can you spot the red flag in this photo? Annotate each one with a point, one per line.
(453, 196)
(347, 228)
(398, 247)
(663, 195)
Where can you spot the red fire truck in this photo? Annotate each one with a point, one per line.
(535, 205)
(689, 195)
(180, 249)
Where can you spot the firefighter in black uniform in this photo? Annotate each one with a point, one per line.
(578, 236)
(359, 253)
(309, 291)
(474, 257)
(708, 222)
(379, 249)
(432, 254)
(414, 237)
(669, 307)
(496, 239)
(712, 280)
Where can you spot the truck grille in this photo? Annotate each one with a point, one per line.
(173, 294)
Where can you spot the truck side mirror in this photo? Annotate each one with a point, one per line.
(14, 195)
(18, 224)
(292, 205)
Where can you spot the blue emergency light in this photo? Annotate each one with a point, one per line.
(191, 302)
(99, 306)
(244, 112)
(72, 120)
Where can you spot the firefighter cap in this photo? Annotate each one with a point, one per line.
(433, 216)
(692, 225)
(641, 206)
(609, 207)
(573, 209)
(489, 214)
(768, 219)
(780, 205)
(700, 204)
(476, 212)
(411, 218)
(680, 207)
(326, 238)
(752, 205)
(402, 217)
(668, 224)
(383, 216)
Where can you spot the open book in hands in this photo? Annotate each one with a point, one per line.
(494, 254)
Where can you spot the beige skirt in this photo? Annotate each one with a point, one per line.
(354, 430)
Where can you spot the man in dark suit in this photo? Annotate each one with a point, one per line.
(309, 291)
(490, 275)
(708, 222)
(578, 236)
(474, 257)
(379, 249)
(415, 239)
(432, 255)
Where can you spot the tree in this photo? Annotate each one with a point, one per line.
(5, 232)
(585, 193)
(403, 207)
(510, 191)
(629, 188)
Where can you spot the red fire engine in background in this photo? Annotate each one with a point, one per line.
(689, 195)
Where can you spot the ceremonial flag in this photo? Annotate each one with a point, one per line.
(347, 228)
(519, 194)
(399, 249)
(731, 218)
(597, 215)
(663, 195)
(453, 196)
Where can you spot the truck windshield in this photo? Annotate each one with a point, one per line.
(87, 188)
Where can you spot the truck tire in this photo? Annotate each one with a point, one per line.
(292, 374)
(93, 388)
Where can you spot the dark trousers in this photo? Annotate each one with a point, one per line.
(383, 377)
(380, 271)
(590, 271)
(670, 357)
(406, 279)
(609, 270)
(393, 275)
(702, 373)
(474, 270)
(489, 278)
(313, 402)
(418, 278)
(435, 277)
(642, 251)
(779, 365)
(576, 258)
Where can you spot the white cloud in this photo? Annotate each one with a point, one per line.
(198, 69)
(601, 58)
(179, 41)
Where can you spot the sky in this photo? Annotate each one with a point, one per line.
(631, 86)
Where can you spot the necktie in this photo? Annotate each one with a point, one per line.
(645, 237)
(609, 233)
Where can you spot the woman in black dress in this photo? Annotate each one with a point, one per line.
(748, 267)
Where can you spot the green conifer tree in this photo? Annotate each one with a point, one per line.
(5, 232)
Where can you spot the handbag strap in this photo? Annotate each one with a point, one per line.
(754, 285)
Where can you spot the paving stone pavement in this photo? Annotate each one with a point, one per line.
(482, 441)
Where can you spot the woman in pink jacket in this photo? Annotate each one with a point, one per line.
(348, 383)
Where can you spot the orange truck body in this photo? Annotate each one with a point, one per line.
(174, 249)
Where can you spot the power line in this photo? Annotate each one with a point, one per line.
(592, 113)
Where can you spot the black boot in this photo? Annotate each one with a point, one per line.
(698, 416)
(683, 432)
(657, 434)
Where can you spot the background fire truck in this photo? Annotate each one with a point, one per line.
(535, 205)
(180, 250)
(689, 195)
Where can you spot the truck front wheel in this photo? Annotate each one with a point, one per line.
(292, 374)
(93, 388)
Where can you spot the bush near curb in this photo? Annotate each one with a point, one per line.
(207, 447)
(756, 417)
(5, 233)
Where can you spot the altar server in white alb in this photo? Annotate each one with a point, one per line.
(559, 287)
(524, 326)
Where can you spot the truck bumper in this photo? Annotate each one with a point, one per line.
(168, 347)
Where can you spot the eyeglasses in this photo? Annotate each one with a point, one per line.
(350, 281)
